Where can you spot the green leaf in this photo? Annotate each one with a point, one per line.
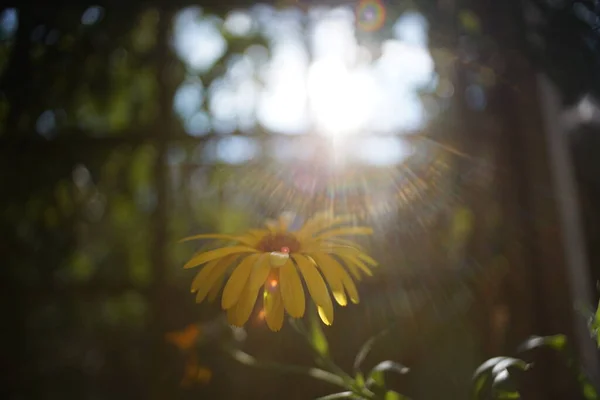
(359, 380)
(317, 337)
(557, 342)
(508, 395)
(589, 392)
(391, 395)
(390, 366)
(340, 395)
(497, 367)
(508, 362)
(504, 363)
(366, 349)
(363, 352)
(376, 376)
(596, 325)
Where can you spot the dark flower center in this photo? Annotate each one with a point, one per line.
(279, 242)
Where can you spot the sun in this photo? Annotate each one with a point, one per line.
(340, 99)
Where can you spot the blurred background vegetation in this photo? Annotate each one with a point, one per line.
(129, 125)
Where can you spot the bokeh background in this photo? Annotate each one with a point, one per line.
(129, 125)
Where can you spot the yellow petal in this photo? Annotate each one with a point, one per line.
(321, 222)
(237, 281)
(203, 275)
(324, 316)
(204, 282)
(292, 291)
(336, 241)
(367, 259)
(351, 267)
(353, 261)
(260, 272)
(353, 230)
(232, 316)
(327, 266)
(216, 288)
(278, 259)
(240, 239)
(316, 286)
(351, 252)
(349, 285)
(217, 253)
(249, 240)
(346, 280)
(327, 247)
(273, 306)
(245, 305)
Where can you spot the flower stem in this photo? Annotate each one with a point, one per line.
(247, 359)
(327, 361)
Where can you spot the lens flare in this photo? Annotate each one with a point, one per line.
(366, 191)
(370, 15)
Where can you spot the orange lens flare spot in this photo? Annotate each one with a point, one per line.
(184, 339)
(273, 283)
(285, 249)
(262, 314)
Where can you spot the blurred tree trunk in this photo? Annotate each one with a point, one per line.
(536, 291)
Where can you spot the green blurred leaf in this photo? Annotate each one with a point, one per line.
(64, 197)
(506, 363)
(496, 368)
(505, 395)
(557, 342)
(366, 349)
(80, 267)
(144, 35)
(589, 392)
(376, 376)
(469, 21)
(596, 325)
(390, 366)
(492, 362)
(317, 336)
(340, 395)
(363, 352)
(359, 380)
(141, 170)
(232, 220)
(391, 395)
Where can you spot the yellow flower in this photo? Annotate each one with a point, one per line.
(273, 261)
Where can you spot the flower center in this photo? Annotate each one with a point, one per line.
(282, 243)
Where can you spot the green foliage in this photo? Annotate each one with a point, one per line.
(391, 395)
(490, 378)
(556, 342)
(493, 379)
(357, 387)
(594, 325)
(317, 336)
